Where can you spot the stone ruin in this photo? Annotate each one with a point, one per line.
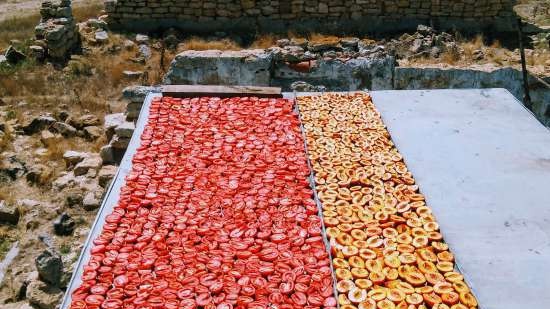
(57, 32)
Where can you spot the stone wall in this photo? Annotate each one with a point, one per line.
(57, 31)
(369, 72)
(327, 15)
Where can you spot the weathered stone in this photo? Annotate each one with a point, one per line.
(49, 266)
(119, 142)
(64, 181)
(48, 138)
(37, 52)
(144, 52)
(246, 67)
(101, 36)
(125, 129)
(96, 23)
(72, 157)
(64, 225)
(8, 213)
(64, 129)
(106, 174)
(301, 86)
(39, 174)
(107, 154)
(38, 124)
(91, 201)
(43, 296)
(14, 56)
(84, 121)
(128, 44)
(134, 75)
(137, 93)
(349, 42)
(142, 38)
(111, 122)
(93, 161)
(92, 133)
(11, 168)
(424, 30)
(322, 45)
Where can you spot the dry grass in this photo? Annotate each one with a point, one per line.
(87, 11)
(265, 41)
(195, 43)
(469, 47)
(17, 28)
(322, 38)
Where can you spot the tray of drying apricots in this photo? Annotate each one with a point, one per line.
(267, 204)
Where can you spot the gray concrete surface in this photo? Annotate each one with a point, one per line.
(483, 162)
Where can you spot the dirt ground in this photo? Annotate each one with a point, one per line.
(17, 8)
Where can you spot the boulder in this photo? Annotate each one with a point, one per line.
(49, 266)
(93, 161)
(8, 213)
(43, 296)
(215, 67)
(64, 225)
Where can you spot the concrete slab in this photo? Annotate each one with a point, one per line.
(483, 162)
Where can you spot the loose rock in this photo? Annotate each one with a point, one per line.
(91, 201)
(84, 121)
(8, 213)
(43, 296)
(106, 174)
(64, 129)
(101, 36)
(73, 157)
(14, 56)
(49, 266)
(92, 133)
(93, 161)
(125, 129)
(39, 174)
(111, 122)
(38, 124)
(64, 225)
